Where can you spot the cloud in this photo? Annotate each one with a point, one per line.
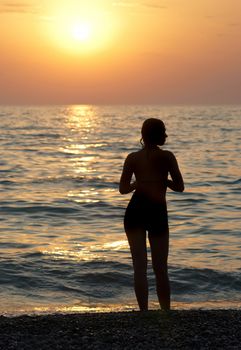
(18, 7)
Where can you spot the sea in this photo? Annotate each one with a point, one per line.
(63, 246)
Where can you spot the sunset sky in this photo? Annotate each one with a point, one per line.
(120, 52)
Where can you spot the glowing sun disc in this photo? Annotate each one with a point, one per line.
(77, 29)
(81, 31)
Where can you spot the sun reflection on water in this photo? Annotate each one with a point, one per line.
(85, 254)
(89, 252)
(84, 196)
(82, 121)
(117, 245)
(81, 117)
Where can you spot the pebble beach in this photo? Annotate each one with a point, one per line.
(177, 329)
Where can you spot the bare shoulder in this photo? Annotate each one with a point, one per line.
(168, 154)
(170, 158)
(133, 155)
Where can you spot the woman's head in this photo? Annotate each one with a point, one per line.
(153, 132)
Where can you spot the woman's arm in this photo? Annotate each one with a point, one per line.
(125, 181)
(176, 183)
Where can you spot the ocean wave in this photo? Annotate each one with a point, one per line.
(96, 181)
(98, 275)
(84, 211)
(33, 209)
(190, 201)
(203, 280)
(235, 182)
(45, 135)
(8, 183)
(17, 245)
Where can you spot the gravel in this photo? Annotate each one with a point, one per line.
(177, 329)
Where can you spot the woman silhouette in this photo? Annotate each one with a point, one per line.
(147, 210)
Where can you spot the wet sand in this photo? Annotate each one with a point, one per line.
(178, 329)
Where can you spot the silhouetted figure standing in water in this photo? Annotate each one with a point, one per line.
(147, 210)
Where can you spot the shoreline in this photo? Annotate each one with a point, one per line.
(175, 329)
(11, 310)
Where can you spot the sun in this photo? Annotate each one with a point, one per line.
(76, 29)
(81, 31)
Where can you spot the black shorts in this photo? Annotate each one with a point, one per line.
(143, 213)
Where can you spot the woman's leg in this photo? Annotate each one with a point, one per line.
(137, 242)
(159, 250)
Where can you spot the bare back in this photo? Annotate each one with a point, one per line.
(151, 168)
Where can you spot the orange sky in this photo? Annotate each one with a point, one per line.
(108, 52)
